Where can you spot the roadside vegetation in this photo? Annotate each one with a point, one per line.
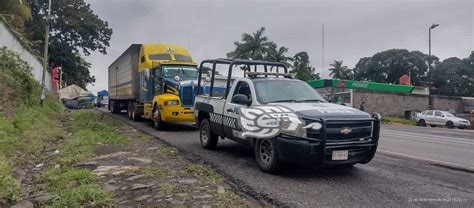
(398, 120)
(45, 153)
(21, 117)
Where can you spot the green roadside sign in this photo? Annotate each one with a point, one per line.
(351, 84)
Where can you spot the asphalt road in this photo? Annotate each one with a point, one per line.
(388, 180)
(452, 147)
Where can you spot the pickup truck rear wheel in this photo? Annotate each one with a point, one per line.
(206, 136)
(266, 154)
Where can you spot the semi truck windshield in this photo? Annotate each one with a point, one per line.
(182, 72)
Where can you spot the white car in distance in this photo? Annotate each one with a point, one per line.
(441, 118)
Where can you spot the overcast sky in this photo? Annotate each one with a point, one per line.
(353, 28)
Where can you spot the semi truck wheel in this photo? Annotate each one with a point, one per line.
(135, 116)
(266, 154)
(129, 110)
(206, 136)
(157, 122)
(115, 107)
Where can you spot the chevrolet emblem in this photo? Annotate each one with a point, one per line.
(346, 130)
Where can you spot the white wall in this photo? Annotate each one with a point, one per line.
(10, 41)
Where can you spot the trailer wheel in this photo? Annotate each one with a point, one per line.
(115, 107)
(157, 122)
(129, 110)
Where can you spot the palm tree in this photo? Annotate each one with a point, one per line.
(276, 54)
(253, 46)
(338, 71)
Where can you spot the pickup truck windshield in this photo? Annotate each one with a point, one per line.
(185, 73)
(269, 91)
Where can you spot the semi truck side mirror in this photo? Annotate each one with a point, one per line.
(147, 74)
(241, 99)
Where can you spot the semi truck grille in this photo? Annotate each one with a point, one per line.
(187, 97)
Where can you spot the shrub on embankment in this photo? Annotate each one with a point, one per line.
(23, 122)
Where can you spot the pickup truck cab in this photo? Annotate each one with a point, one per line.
(283, 119)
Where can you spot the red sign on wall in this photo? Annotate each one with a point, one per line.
(405, 80)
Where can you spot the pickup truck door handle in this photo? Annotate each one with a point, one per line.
(230, 110)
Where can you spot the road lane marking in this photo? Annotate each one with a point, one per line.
(419, 139)
(437, 162)
(427, 139)
(409, 137)
(430, 135)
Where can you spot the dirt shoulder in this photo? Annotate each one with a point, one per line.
(100, 161)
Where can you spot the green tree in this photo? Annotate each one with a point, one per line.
(20, 11)
(278, 54)
(339, 71)
(302, 68)
(454, 76)
(75, 29)
(253, 46)
(388, 66)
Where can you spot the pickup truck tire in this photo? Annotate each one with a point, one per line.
(266, 154)
(206, 136)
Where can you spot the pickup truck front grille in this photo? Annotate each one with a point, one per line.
(344, 131)
(348, 130)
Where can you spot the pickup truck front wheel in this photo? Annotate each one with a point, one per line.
(206, 136)
(266, 155)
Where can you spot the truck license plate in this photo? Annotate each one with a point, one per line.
(340, 155)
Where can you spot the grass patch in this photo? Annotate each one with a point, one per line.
(168, 188)
(155, 172)
(74, 188)
(90, 129)
(230, 199)
(204, 172)
(78, 187)
(170, 151)
(19, 139)
(398, 120)
(9, 187)
(145, 137)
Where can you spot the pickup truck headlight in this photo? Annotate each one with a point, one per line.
(302, 131)
(377, 116)
(171, 102)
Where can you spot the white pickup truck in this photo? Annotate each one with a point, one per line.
(282, 119)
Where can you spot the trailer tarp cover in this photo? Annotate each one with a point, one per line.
(72, 92)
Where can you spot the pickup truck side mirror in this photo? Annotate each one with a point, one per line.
(241, 99)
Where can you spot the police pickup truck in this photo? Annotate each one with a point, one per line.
(282, 119)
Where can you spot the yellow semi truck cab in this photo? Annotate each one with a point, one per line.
(161, 79)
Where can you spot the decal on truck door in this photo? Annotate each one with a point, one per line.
(268, 121)
(224, 120)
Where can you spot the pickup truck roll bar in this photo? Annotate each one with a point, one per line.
(232, 63)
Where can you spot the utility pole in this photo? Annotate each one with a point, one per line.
(322, 53)
(430, 99)
(45, 57)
